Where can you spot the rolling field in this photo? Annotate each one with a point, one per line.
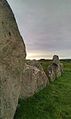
(53, 102)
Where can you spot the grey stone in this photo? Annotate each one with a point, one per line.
(55, 70)
(50, 73)
(34, 80)
(56, 60)
(12, 58)
(34, 63)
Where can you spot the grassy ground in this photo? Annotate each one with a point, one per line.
(53, 102)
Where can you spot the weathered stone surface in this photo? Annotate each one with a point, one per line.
(55, 70)
(50, 73)
(34, 63)
(12, 55)
(34, 80)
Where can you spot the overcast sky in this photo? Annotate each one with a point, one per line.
(45, 26)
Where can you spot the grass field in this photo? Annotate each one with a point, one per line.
(53, 102)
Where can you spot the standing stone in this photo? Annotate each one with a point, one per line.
(34, 63)
(50, 73)
(34, 80)
(12, 56)
(56, 60)
(55, 70)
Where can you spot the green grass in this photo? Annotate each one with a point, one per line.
(53, 102)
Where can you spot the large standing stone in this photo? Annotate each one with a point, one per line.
(12, 55)
(34, 80)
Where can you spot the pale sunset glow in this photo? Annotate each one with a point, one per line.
(39, 55)
(47, 55)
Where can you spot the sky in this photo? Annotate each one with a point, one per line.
(45, 26)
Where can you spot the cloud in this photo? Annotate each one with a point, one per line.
(44, 24)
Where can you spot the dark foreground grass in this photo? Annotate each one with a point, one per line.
(53, 102)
